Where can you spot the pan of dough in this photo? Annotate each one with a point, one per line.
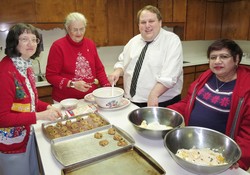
(89, 145)
(130, 160)
(73, 125)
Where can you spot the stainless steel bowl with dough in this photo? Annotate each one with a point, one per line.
(155, 122)
(201, 150)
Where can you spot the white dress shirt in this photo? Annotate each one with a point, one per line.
(163, 63)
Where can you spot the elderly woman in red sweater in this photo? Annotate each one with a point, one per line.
(73, 62)
(20, 106)
(219, 98)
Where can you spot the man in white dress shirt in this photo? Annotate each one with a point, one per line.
(161, 76)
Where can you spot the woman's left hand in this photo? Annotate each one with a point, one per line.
(234, 166)
(82, 86)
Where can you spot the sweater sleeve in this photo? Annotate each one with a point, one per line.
(55, 66)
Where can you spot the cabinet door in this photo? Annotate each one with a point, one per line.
(236, 20)
(96, 13)
(173, 10)
(166, 9)
(213, 20)
(120, 22)
(195, 25)
(188, 78)
(44, 94)
(55, 11)
(200, 69)
(17, 11)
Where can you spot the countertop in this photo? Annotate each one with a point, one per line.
(188, 61)
(154, 148)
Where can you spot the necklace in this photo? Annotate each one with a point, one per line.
(218, 88)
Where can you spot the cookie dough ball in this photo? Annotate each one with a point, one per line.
(117, 137)
(122, 142)
(111, 131)
(98, 135)
(104, 142)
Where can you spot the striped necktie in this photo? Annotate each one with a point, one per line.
(137, 70)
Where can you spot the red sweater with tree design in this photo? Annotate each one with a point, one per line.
(16, 117)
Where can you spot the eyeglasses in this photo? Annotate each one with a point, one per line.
(32, 40)
(76, 30)
(221, 57)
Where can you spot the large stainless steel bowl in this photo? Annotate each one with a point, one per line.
(163, 116)
(199, 137)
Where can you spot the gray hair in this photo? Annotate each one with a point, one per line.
(74, 16)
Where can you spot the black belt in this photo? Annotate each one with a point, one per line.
(161, 104)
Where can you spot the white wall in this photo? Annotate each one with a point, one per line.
(110, 54)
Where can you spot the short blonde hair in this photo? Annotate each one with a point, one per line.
(152, 9)
(74, 16)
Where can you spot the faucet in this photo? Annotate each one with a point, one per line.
(39, 76)
(39, 67)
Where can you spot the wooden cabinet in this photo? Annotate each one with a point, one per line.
(48, 11)
(120, 25)
(236, 21)
(17, 11)
(195, 19)
(114, 22)
(213, 20)
(44, 94)
(173, 10)
(200, 69)
(191, 73)
(188, 78)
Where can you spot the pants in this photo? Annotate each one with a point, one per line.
(22, 163)
(161, 104)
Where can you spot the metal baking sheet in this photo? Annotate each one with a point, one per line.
(131, 160)
(74, 120)
(84, 147)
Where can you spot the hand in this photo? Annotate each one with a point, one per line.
(152, 100)
(114, 77)
(82, 86)
(51, 114)
(234, 166)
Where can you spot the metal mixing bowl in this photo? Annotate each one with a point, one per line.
(163, 116)
(199, 137)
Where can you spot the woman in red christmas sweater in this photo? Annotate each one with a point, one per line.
(20, 106)
(219, 98)
(73, 62)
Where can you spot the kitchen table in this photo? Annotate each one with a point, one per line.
(155, 148)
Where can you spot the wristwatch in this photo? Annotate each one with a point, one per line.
(72, 84)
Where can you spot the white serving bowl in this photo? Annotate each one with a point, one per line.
(103, 96)
(69, 103)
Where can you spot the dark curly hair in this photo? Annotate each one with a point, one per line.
(232, 47)
(12, 39)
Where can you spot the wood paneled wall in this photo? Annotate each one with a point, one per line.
(113, 22)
